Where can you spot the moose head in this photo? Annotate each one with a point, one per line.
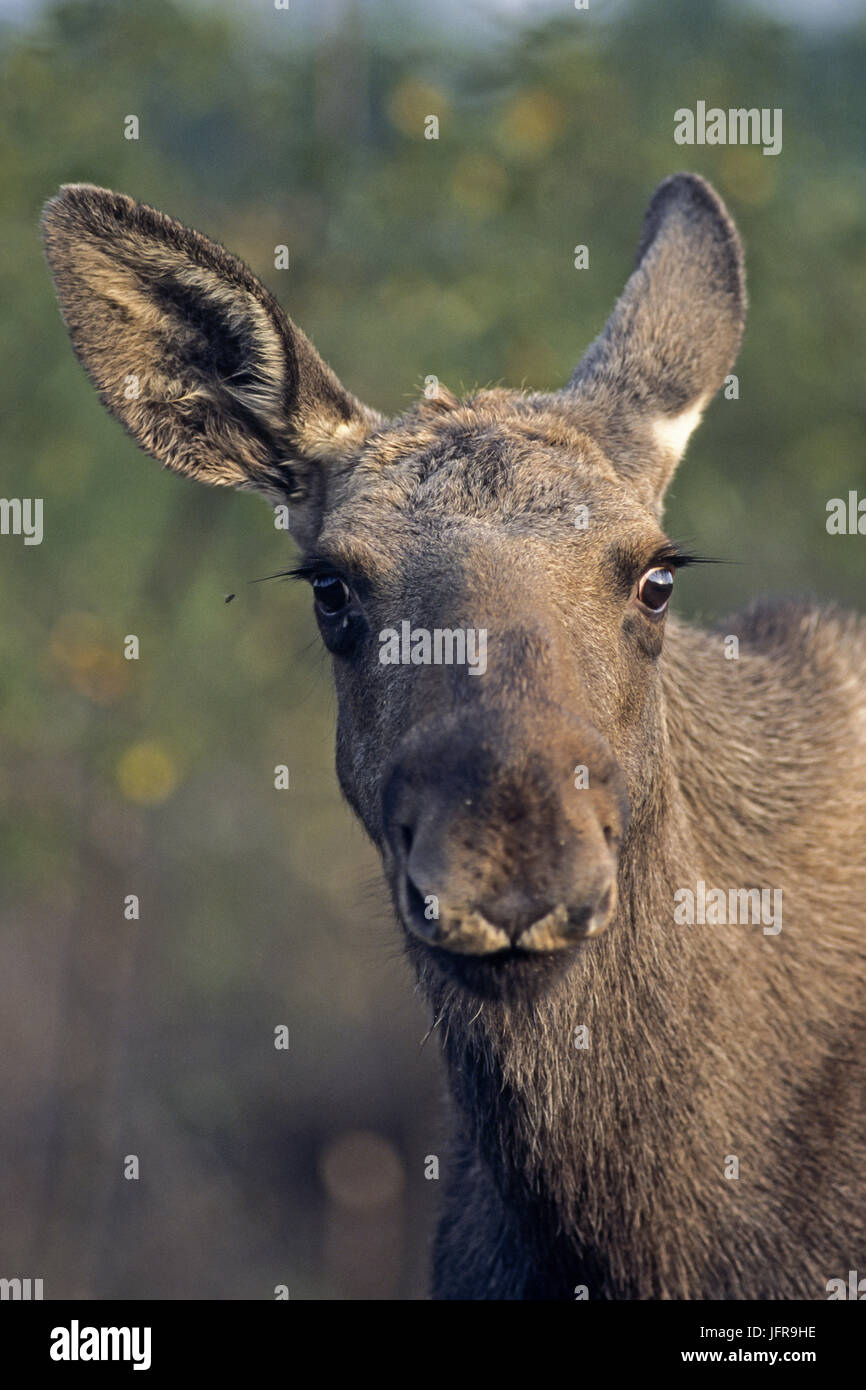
(502, 795)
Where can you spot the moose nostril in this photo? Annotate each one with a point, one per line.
(417, 901)
(407, 835)
(420, 905)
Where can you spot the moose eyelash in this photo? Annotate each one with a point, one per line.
(630, 564)
(314, 567)
(676, 557)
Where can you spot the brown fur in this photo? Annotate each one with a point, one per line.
(602, 1167)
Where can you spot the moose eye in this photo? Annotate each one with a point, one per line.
(332, 595)
(655, 589)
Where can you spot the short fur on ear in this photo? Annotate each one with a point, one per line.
(671, 339)
(191, 352)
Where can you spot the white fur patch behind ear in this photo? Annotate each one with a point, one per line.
(321, 437)
(672, 432)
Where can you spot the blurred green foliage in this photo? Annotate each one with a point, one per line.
(409, 257)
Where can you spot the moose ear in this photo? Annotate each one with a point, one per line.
(671, 339)
(191, 352)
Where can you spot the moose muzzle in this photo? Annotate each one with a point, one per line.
(502, 834)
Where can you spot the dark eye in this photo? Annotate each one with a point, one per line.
(331, 594)
(655, 589)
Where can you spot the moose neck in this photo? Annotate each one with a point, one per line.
(561, 1096)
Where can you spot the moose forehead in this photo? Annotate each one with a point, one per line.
(502, 464)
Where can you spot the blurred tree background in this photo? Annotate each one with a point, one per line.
(408, 257)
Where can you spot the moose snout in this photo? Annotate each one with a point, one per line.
(498, 843)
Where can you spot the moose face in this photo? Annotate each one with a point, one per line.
(491, 577)
(498, 792)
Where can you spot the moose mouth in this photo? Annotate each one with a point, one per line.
(493, 961)
(472, 934)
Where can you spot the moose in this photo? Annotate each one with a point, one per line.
(644, 1107)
